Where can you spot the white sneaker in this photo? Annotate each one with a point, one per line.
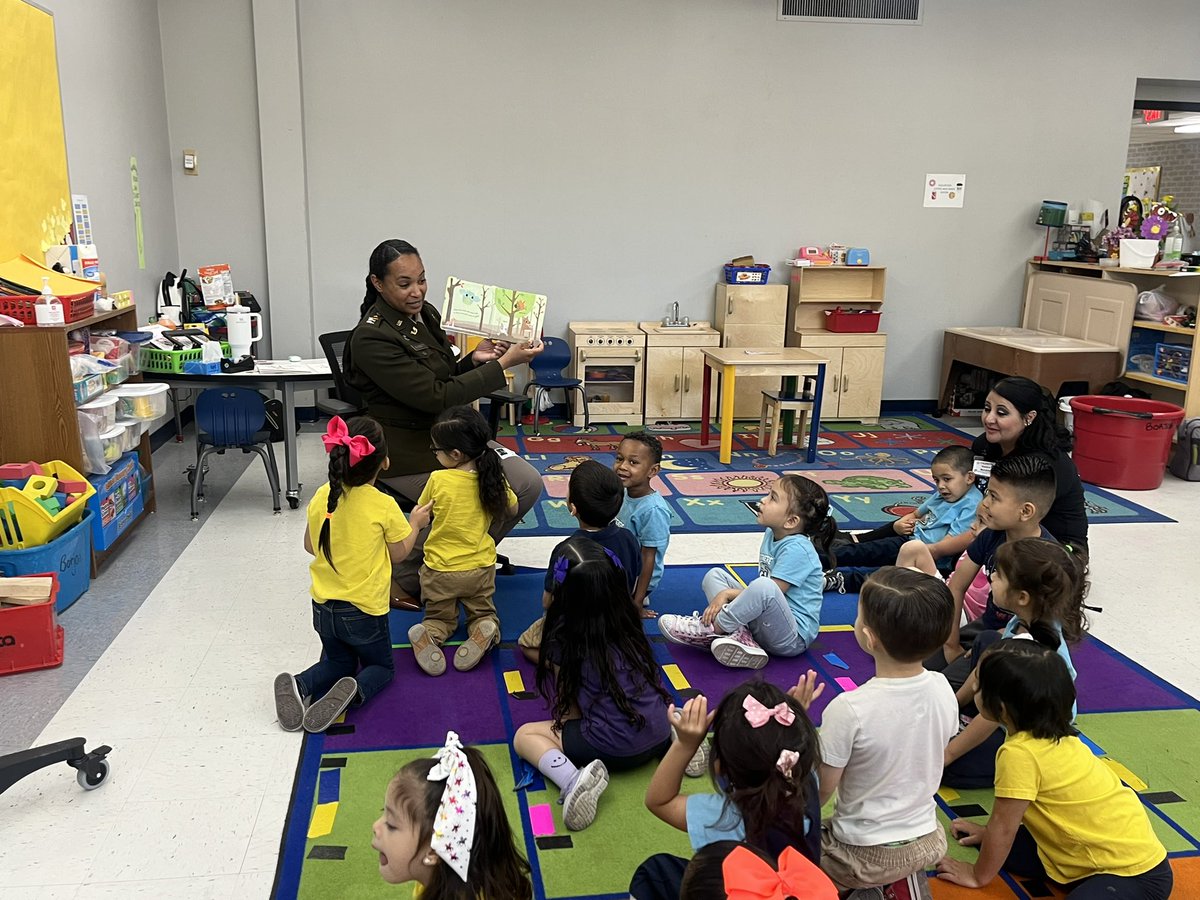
(739, 651)
(579, 806)
(835, 581)
(687, 630)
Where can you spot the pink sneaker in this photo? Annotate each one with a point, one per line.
(687, 630)
(739, 651)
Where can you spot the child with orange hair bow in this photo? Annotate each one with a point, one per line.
(729, 870)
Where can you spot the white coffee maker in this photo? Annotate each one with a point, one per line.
(245, 328)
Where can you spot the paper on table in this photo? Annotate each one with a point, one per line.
(292, 367)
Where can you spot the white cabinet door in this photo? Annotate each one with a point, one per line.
(664, 382)
(861, 382)
(692, 403)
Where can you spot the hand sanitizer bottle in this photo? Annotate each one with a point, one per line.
(48, 309)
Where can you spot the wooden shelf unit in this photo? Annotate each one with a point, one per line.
(854, 377)
(1184, 287)
(38, 418)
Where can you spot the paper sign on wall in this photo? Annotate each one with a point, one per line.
(945, 191)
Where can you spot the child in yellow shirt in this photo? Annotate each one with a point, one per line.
(360, 533)
(460, 556)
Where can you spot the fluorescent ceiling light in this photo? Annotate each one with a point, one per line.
(1191, 128)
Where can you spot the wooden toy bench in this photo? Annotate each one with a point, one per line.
(1073, 328)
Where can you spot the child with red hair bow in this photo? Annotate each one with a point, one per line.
(359, 533)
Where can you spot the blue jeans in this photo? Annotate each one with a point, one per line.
(351, 639)
(761, 607)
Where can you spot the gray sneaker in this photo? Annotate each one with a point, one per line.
(579, 805)
(835, 581)
(289, 705)
(324, 712)
(739, 651)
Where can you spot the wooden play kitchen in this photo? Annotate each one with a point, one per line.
(675, 368)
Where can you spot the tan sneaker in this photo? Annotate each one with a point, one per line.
(480, 640)
(429, 655)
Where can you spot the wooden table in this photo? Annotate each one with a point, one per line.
(786, 362)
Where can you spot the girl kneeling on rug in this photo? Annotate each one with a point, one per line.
(444, 827)
(608, 706)
(359, 533)
(763, 761)
(1061, 814)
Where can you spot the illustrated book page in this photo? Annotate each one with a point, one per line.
(492, 312)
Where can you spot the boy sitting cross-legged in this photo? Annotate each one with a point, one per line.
(882, 745)
(594, 496)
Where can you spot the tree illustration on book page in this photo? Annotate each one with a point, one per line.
(491, 311)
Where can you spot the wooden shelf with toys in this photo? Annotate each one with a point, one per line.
(38, 408)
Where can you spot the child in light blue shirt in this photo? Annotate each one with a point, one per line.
(943, 521)
(644, 512)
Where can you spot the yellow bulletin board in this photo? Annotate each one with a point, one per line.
(35, 197)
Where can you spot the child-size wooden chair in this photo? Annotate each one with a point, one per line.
(775, 403)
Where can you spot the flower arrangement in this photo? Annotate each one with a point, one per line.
(1112, 239)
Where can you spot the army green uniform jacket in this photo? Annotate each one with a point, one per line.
(407, 374)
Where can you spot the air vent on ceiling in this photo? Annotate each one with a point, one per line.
(891, 12)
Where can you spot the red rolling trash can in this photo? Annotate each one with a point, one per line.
(1123, 442)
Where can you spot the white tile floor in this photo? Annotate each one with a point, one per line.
(201, 774)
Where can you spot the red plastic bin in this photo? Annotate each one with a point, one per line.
(1123, 442)
(30, 636)
(80, 306)
(852, 321)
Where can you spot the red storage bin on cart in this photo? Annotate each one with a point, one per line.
(852, 321)
(30, 636)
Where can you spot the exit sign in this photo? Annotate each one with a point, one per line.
(1153, 115)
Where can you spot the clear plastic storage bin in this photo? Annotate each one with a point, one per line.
(142, 401)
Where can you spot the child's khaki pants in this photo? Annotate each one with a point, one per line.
(442, 592)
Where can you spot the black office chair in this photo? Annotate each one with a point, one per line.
(345, 400)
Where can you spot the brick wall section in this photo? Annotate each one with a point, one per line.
(1180, 161)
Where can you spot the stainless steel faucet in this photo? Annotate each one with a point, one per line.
(673, 319)
(675, 313)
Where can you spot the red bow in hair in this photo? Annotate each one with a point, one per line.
(338, 435)
(749, 877)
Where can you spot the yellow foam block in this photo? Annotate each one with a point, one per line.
(949, 794)
(322, 820)
(513, 682)
(675, 677)
(837, 628)
(1125, 775)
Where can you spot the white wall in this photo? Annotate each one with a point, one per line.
(111, 81)
(209, 72)
(613, 155)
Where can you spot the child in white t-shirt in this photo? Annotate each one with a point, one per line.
(882, 745)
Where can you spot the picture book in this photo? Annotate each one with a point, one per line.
(492, 312)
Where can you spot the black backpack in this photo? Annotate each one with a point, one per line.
(1185, 460)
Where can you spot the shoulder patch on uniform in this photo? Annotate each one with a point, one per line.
(373, 319)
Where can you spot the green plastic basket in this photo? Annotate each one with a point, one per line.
(151, 359)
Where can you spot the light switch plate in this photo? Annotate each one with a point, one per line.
(191, 164)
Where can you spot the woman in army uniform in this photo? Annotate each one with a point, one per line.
(400, 360)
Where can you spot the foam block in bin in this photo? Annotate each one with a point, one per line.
(49, 504)
(40, 486)
(72, 487)
(20, 471)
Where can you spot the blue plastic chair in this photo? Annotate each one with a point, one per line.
(228, 418)
(547, 369)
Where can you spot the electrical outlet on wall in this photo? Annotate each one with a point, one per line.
(191, 164)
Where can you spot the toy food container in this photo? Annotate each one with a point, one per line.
(112, 442)
(102, 411)
(143, 401)
(88, 387)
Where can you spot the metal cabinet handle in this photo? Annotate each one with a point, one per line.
(835, 384)
(729, 306)
(677, 384)
(687, 383)
(637, 354)
(583, 356)
(845, 383)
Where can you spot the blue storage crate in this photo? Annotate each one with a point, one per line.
(117, 501)
(1173, 361)
(69, 556)
(747, 274)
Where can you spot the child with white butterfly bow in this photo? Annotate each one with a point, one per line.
(444, 827)
(882, 745)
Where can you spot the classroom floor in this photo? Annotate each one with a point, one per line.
(202, 775)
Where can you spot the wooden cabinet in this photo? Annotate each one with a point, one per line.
(854, 376)
(38, 420)
(751, 315)
(1184, 287)
(675, 369)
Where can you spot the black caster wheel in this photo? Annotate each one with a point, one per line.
(191, 476)
(94, 775)
(294, 502)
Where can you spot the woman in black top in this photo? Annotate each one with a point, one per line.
(1019, 418)
(402, 363)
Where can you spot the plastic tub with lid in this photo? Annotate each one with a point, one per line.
(102, 411)
(112, 443)
(142, 401)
